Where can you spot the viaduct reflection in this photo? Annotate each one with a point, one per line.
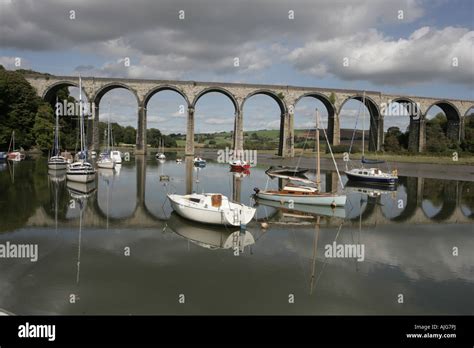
(417, 200)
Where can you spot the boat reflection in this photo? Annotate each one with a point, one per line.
(57, 175)
(370, 190)
(209, 236)
(79, 190)
(303, 210)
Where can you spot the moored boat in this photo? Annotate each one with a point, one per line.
(81, 171)
(199, 162)
(211, 208)
(116, 156)
(306, 194)
(56, 161)
(14, 155)
(370, 175)
(239, 165)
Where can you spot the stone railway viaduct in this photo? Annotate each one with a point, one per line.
(285, 96)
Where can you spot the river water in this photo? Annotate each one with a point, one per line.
(115, 247)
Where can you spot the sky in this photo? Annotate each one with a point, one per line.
(400, 47)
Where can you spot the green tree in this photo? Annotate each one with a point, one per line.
(43, 129)
(18, 107)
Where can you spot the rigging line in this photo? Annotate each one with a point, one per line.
(304, 148)
(355, 128)
(326, 262)
(333, 159)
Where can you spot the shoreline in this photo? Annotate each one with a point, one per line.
(461, 172)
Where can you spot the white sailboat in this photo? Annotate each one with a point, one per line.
(211, 208)
(370, 175)
(56, 161)
(81, 170)
(14, 155)
(105, 161)
(161, 155)
(306, 194)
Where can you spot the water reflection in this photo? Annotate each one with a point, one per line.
(408, 235)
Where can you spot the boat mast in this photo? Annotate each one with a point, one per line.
(56, 133)
(13, 140)
(318, 169)
(81, 121)
(363, 126)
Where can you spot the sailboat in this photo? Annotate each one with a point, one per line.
(306, 194)
(211, 208)
(14, 155)
(56, 161)
(161, 155)
(370, 175)
(81, 170)
(105, 161)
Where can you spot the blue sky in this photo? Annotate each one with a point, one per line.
(409, 55)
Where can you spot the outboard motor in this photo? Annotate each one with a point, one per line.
(256, 190)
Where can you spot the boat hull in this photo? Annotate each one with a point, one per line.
(371, 179)
(213, 216)
(57, 166)
(106, 165)
(80, 176)
(323, 199)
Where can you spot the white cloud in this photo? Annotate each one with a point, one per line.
(427, 55)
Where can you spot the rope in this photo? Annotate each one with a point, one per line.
(333, 159)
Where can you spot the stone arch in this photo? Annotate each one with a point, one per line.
(160, 88)
(270, 94)
(322, 98)
(221, 90)
(415, 114)
(110, 86)
(375, 122)
(333, 125)
(469, 109)
(51, 91)
(454, 127)
(284, 122)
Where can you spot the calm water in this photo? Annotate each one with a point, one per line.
(120, 249)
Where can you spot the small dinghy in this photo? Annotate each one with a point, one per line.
(286, 171)
(199, 162)
(211, 208)
(239, 165)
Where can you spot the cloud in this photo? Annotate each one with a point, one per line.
(209, 38)
(426, 55)
(218, 121)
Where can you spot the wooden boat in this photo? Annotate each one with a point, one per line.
(239, 165)
(307, 209)
(56, 161)
(286, 171)
(306, 194)
(370, 175)
(211, 208)
(81, 171)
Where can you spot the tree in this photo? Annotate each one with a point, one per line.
(43, 129)
(153, 137)
(18, 107)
